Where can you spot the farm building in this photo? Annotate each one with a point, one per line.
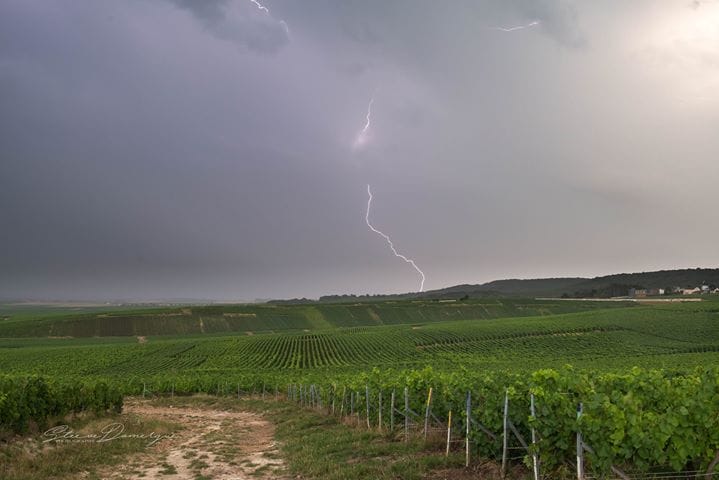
(645, 292)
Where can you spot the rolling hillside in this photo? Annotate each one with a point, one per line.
(274, 318)
(601, 287)
(610, 285)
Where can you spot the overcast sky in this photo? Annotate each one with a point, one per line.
(209, 149)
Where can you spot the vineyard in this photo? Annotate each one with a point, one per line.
(91, 322)
(641, 421)
(26, 399)
(613, 339)
(641, 373)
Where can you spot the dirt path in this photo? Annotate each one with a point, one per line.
(214, 444)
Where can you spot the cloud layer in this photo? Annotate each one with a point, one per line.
(247, 24)
(205, 150)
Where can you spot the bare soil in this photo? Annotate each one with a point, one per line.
(212, 444)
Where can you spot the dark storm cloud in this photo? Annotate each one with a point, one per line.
(244, 24)
(558, 18)
(211, 11)
(190, 149)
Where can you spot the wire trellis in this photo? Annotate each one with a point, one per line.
(401, 419)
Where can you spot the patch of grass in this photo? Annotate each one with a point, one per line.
(29, 458)
(168, 469)
(261, 470)
(321, 447)
(198, 464)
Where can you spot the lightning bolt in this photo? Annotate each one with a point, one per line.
(518, 27)
(260, 6)
(389, 241)
(267, 11)
(362, 137)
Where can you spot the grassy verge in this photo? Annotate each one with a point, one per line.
(32, 457)
(316, 446)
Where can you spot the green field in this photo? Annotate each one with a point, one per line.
(38, 321)
(370, 349)
(345, 338)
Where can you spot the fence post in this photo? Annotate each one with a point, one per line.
(342, 407)
(172, 391)
(144, 389)
(505, 436)
(333, 401)
(535, 454)
(379, 411)
(406, 414)
(469, 420)
(449, 432)
(352, 403)
(426, 413)
(366, 398)
(712, 466)
(580, 445)
(391, 412)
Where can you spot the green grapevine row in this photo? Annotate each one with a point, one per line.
(25, 399)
